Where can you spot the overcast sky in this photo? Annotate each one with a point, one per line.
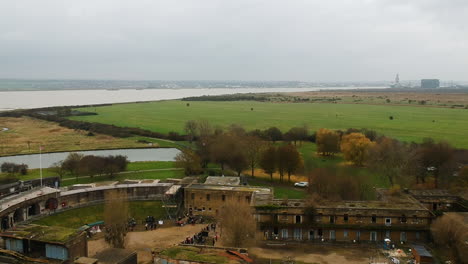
(327, 40)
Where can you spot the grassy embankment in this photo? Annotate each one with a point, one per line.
(76, 218)
(25, 135)
(410, 123)
(135, 170)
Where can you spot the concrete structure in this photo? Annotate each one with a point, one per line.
(56, 243)
(430, 83)
(111, 256)
(19, 207)
(421, 255)
(401, 219)
(222, 180)
(23, 206)
(204, 199)
(438, 200)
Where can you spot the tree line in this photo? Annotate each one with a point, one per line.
(397, 161)
(239, 150)
(78, 164)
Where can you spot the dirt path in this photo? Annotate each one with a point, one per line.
(142, 242)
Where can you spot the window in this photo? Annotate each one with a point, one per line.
(203, 208)
(358, 235)
(208, 197)
(223, 197)
(284, 233)
(319, 217)
(332, 219)
(403, 236)
(345, 218)
(247, 198)
(284, 217)
(373, 236)
(298, 219)
(345, 234)
(297, 234)
(209, 209)
(415, 219)
(403, 218)
(374, 219)
(332, 235)
(418, 235)
(193, 196)
(311, 235)
(387, 234)
(388, 221)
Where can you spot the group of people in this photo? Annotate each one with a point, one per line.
(131, 223)
(150, 223)
(203, 237)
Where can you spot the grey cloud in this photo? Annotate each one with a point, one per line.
(242, 39)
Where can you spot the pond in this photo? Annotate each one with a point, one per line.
(142, 154)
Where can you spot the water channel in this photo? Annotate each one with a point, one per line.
(142, 154)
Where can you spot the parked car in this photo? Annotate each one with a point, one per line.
(301, 184)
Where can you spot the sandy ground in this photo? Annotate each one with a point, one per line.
(142, 242)
(328, 256)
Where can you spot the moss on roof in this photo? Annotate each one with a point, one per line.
(194, 254)
(43, 233)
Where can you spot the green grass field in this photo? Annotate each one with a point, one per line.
(409, 124)
(76, 218)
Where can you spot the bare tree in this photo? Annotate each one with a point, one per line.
(189, 161)
(58, 168)
(191, 129)
(237, 223)
(451, 233)
(72, 163)
(115, 218)
(389, 157)
(268, 161)
(253, 147)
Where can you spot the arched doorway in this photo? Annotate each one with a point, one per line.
(18, 216)
(34, 209)
(5, 223)
(51, 204)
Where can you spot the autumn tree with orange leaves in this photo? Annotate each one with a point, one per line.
(355, 148)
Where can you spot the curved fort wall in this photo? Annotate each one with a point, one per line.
(46, 200)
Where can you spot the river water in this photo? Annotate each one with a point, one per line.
(48, 159)
(35, 99)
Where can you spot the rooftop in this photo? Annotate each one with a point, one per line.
(12, 200)
(42, 233)
(238, 188)
(399, 204)
(222, 180)
(114, 255)
(422, 251)
(204, 255)
(434, 192)
(90, 188)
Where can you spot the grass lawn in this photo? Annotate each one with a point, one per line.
(149, 165)
(281, 190)
(410, 123)
(76, 218)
